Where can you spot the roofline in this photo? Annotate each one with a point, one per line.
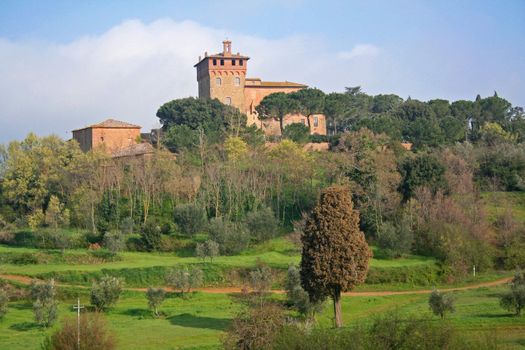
(107, 127)
(220, 57)
(276, 86)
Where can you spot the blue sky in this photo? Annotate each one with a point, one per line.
(65, 64)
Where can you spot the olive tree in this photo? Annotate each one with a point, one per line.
(106, 292)
(335, 254)
(441, 303)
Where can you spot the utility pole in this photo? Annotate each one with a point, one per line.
(78, 307)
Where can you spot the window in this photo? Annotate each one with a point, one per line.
(316, 122)
(214, 62)
(237, 81)
(218, 81)
(228, 101)
(222, 62)
(102, 138)
(233, 62)
(241, 62)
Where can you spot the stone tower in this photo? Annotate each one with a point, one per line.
(222, 76)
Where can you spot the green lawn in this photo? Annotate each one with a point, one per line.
(198, 322)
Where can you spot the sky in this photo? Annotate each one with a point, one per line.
(68, 64)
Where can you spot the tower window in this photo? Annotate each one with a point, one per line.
(233, 62)
(218, 81)
(214, 62)
(228, 101)
(237, 81)
(241, 62)
(222, 62)
(316, 122)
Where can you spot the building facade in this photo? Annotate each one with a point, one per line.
(109, 136)
(223, 76)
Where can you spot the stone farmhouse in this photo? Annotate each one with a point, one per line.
(221, 76)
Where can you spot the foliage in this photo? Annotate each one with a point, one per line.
(335, 254)
(114, 242)
(297, 132)
(514, 300)
(4, 301)
(262, 224)
(276, 106)
(94, 334)
(45, 305)
(261, 279)
(151, 236)
(106, 292)
(255, 328)
(297, 296)
(190, 218)
(441, 303)
(208, 249)
(185, 279)
(231, 237)
(155, 298)
(396, 240)
(56, 215)
(423, 170)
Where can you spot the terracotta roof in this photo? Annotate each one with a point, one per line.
(221, 56)
(134, 150)
(277, 84)
(112, 123)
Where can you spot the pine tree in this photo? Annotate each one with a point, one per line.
(335, 254)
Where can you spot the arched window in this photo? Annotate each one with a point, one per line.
(228, 101)
(237, 81)
(218, 81)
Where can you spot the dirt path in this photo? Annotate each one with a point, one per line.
(228, 290)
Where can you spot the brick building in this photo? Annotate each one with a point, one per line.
(223, 76)
(110, 136)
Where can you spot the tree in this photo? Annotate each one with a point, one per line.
(262, 224)
(185, 279)
(4, 300)
(151, 236)
(297, 296)
(231, 237)
(45, 305)
(106, 292)
(93, 330)
(155, 298)
(335, 254)
(309, 102)
(441, 303)
(276, 106)
(297, 132)
(423, 170)
(114, 242)
(514, 300)
(190, 218)
(208, 249)
(261, 280)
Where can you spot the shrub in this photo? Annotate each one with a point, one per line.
(155, 298)
(262, 224)
(114, 242)
(514, 300)
(297, 296)
(45, 306)
(208, 249)
(441, 303)
(297, 132)
(4, 300)
(126, 226)
(190, 218)
(232, 237)
(151, 236)
(255, 328)
(106, 292)
(184, 279)
(104, 254)
(93, 330)
(395, 240)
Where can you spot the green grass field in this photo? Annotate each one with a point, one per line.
(198, 322)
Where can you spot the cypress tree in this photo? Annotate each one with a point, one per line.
(335, 254)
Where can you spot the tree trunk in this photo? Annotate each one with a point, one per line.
(281, 127)
(338, 315)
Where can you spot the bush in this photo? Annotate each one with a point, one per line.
(232, 237)
(45, 306)
(441, 303)
(106, 292)
(4, 300)
(297, 132)
(514, 300)
(190, 218)
(184, 279)
(151, 236)
(208, 249)
(104, 254)
(316, 138)
(93, 328)
(126, 226)
(155, 298)
(262, 224)
(395, 240)
(254, 329)
(297, 296)
(114, 242)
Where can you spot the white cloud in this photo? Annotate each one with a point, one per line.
(130, 70)
(361, 50)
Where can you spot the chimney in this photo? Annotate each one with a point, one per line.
(226, 48)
